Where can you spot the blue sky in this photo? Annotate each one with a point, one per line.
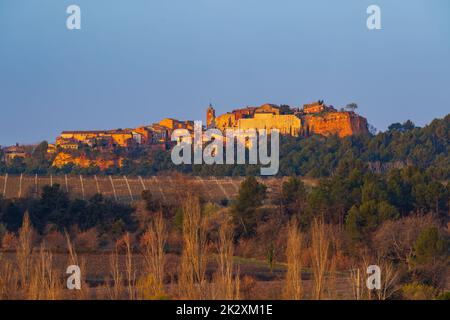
(136, 62)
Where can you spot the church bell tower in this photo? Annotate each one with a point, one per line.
(210, 117)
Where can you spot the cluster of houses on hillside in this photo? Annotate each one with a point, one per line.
(315, 118)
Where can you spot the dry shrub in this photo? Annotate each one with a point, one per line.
(172, 268)
(24, 250)
(390, 278)
(293, 289)
(245, 248)
(114, 284)
(115, 287)
(358, 277)
(73, 257)
(9, 241)
(151, 285)
(357, 284)
(8, 280)
(55, 241)
(270, 233)
(36, 277)
(44, 283)
(395, 239)
(192, 280)
(248, 287)
(87, 240)
(417, 291)
(174, 242)
(142, 214)
(435, 274)
(340, 259)
(15, 275)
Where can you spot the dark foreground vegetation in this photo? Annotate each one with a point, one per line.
(308, 240)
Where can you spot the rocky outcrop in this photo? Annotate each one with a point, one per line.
(342, 123)
(82, 161)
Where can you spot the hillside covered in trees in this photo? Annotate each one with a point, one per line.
(316, 156)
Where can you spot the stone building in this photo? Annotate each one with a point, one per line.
(10, 153)
(268, 117)
(230, 119)
(173, 124)
(119, 137)
(315, 107)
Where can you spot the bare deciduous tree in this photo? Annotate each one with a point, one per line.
(293, 289)
(395, 239)
(24, 250)
(114, 285)
(153, 242)
(319, 256)
(193, 260)
(226, 284)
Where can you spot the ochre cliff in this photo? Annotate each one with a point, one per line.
(82, 161)
(343, 123)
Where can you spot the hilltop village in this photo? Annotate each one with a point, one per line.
(102, 148)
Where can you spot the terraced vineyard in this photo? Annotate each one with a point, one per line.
(167, 188)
